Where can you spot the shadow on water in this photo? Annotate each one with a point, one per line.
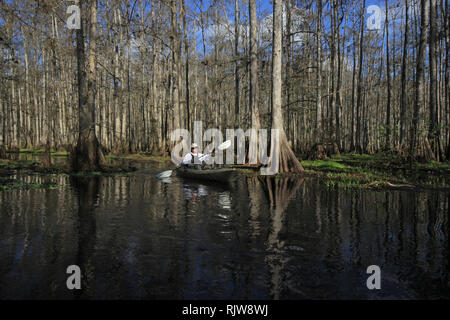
(135, 237)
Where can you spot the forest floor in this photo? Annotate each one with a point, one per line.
(380, 171)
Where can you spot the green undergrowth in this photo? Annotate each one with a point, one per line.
(18, 164)
(6, 165)
(325, 165)
(107, 171)
(135, 156)
(53, 152)
(17, 184)
(378, 171)
(140, 157)
(344, 170)
(31, 165)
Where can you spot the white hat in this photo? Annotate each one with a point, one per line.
(194, 145)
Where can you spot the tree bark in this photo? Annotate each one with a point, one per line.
(186, 78)
(88, 155)
(434, 134)
(174, 77)
(254, 88)
(359, 86)
(416, 150)
(319, 127)
(236, 61)
(403, 80)
(388, 79)
(287, 160)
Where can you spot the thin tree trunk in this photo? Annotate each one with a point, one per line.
(186, 53)
(419, 86)
(388, 79)
(433, 103)
(174, 77)
(338, 80)
(236, 62)
(359, 87)
(254, 88)
(353, 137)
(319, 127)
(404, 76)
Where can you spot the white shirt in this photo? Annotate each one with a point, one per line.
(188, 157)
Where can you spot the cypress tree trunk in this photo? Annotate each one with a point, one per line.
(403, 81)
(254, 89)
(319, 126)
(236, 62)
(287, 160)
(419, 146)
(388, 78)
(174, 43)
(433, 103)
(88, 155)
(359, 86)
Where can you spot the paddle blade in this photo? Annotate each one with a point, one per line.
(224, 145)
(164, 174)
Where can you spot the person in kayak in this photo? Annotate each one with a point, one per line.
(189, 158)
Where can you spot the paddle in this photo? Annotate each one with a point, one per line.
(164, 174)
(224, 145)
(168, 173)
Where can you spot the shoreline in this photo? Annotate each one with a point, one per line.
(377, 172)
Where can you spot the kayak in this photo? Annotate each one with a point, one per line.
(218, 175)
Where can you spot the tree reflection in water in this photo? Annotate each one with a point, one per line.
(279, 191)
(87, 191)
(135, 237)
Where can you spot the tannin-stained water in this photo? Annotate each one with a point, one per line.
(135, 237)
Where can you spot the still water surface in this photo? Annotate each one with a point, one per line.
(135, 237)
